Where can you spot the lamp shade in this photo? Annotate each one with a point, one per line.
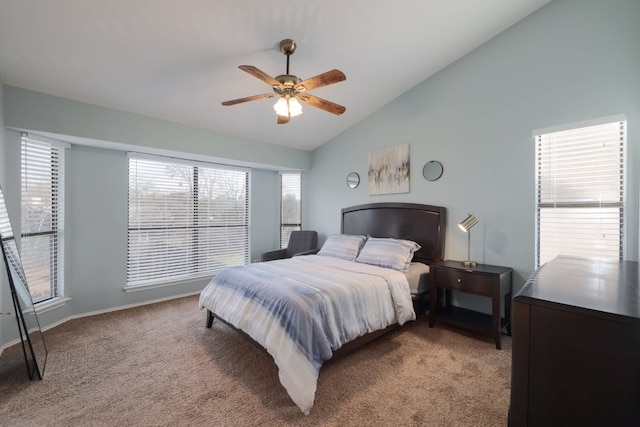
(295, 109)
(468, 222)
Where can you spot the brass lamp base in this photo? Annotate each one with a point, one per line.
(469, 264)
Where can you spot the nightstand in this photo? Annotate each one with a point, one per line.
(485, 280)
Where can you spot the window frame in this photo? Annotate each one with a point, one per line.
(32, 147)
(194, 269)
(287, 227)
(604, 201)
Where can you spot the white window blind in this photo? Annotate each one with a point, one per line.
(42, 218)
(290, 206)
(580, 192)
(186, 220)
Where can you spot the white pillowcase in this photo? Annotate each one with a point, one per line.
(343, 246)
(388, 252)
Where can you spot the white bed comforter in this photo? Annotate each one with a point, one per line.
(302, 309)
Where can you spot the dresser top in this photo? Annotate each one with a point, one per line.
(595, 284)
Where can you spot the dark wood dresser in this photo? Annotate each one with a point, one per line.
(576, 345)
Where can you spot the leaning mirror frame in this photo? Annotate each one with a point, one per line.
(432, 170)
(353, 180)
(31, 338)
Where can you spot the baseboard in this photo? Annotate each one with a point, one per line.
(9, 344)
(121, 307)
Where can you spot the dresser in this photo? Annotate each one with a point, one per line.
(576, 345)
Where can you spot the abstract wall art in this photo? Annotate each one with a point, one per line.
(389, 170)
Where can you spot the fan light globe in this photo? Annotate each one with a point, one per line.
(289, 107)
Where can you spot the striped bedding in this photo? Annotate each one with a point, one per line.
(303, 308)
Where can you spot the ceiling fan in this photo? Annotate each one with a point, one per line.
(292, 90)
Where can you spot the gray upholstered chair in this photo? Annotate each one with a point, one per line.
(303, 242)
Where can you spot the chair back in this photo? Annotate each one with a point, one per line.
(301, 241)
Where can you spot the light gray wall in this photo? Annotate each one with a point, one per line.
(96, 191)
(265, 212)
(573, 60)
(35, 111)
(5, 295)
(2, 150)
(11, 191)
(9, 176)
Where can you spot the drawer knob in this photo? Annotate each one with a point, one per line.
(459, 280)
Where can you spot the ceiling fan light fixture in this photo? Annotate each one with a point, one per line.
(289, 107)
(291, 90)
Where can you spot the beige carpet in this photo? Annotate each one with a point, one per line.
(158, 365)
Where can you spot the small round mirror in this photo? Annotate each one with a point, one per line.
(432, 171)
(353, 180)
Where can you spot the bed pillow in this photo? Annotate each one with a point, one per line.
(388, 252)
(343, 246)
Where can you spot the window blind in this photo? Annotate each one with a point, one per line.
(42, 215)
(580, 192)
(290, 206)
(186, 220)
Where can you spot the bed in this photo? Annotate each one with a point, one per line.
(305, 310)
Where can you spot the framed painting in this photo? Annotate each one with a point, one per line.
(389, 170)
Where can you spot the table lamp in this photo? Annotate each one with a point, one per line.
(466, 226)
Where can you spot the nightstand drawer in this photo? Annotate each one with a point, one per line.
(464, 281)
(484, 280)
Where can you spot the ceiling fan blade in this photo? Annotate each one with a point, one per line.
(249, 98)
(283, 120)
(322, 104)
(324, 79)
(261, 75)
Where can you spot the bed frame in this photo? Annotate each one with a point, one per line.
(423, 224)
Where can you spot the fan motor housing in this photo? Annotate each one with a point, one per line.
(287, 81)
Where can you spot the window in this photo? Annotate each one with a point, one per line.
(580, 191)
(186, 220)
(42, 219)
(290, 212)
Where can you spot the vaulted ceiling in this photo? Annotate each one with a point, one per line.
(178, 60)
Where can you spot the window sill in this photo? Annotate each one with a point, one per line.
(51, 304)
(137, 288)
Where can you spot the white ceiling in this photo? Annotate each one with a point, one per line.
(178, 60)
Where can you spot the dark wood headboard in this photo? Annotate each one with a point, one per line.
(424, 224)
